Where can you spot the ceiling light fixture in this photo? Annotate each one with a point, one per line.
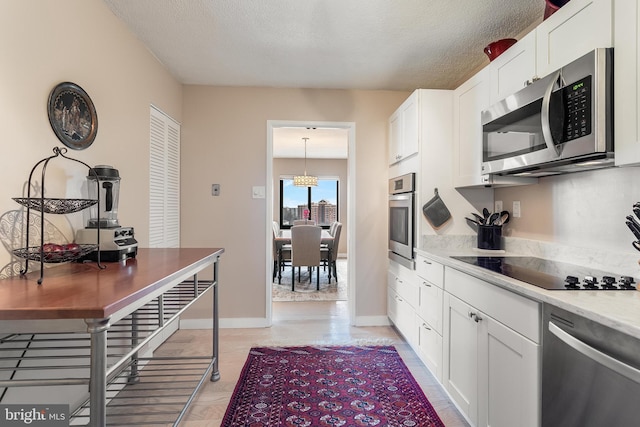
(305, 180)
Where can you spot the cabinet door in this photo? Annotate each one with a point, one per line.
(460, 367)
(395, 136)
(508, 377)
(576, 29)
(468, 102)
(627, 82)
(430, 345)
(514, 69)
(404, 131)
(410, 126)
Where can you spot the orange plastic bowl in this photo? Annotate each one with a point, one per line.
(495, 49)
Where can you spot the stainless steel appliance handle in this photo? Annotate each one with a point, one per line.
(546, 126)
(596, 355)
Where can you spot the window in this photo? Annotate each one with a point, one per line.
(164, 181)
(316, 203)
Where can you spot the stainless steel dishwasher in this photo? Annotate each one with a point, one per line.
(590, 373)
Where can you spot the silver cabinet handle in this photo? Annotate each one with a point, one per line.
(426, 284)
(475, 317)
(426, 262)
(424, 325)
(597, 356)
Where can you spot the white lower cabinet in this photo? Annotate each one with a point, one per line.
(430, 277)
(491, 355)
(508, 377)
(402, 297)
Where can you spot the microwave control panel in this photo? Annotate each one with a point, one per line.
(577, 109)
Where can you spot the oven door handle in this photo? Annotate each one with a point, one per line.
(599, 357)
(545, 116)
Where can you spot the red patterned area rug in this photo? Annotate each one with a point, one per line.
(328, 386)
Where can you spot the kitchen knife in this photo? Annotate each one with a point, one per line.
(636, 210)
(636, 224)
(635, 230)
(636, 245)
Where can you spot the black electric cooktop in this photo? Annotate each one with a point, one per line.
(551, 275)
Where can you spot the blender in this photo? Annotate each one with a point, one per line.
(116, 242)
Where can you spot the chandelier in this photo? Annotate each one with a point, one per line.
(305, 180)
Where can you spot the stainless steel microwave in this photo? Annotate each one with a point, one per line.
(560, 123)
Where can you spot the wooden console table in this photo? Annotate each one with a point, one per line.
(130, 303)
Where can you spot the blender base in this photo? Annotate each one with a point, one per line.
(116, 244)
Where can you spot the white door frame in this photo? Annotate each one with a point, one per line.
(351, 207)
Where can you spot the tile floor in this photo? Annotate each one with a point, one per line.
(294, 323)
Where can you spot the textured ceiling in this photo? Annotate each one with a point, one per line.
(336, 44)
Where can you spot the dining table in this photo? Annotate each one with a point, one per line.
(284, 238)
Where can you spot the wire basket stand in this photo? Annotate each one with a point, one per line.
(54, 206)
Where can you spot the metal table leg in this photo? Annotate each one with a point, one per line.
(98, 371)
(215, 372)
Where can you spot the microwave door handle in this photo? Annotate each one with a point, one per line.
(546, 123)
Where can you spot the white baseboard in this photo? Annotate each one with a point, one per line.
(372, 321)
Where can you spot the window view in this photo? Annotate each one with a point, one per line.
(319, 204)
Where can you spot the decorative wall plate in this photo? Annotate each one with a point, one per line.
(72, 116)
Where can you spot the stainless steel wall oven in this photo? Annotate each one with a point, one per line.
(402, 219)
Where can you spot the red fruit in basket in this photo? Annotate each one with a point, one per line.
(52, 250)
(74, 248)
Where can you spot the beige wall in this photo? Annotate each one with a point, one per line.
(46, 42)
(224, 140)
(334, 168)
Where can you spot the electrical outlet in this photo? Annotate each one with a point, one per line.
(516, 209)
(497, 206)
(215, 189)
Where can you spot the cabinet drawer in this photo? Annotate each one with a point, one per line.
(430, 307)
(430, 270)
(430, 345)
(404, 282)
(403, 316)
(517, 312)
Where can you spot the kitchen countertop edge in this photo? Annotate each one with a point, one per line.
(619, 310)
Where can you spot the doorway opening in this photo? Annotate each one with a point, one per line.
(329, 154)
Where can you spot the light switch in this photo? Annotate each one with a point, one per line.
(516, 209)
(258, 192)
(215, 189)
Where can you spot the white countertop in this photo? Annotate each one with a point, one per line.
(617, 309)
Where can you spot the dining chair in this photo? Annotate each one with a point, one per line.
(330, 251)
(304, 222)
(305, 251)
(281, 253)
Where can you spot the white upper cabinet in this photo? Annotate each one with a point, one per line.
(514, 69)
(574, 30)
(404, 130)
(627, 82)
(468, 102)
